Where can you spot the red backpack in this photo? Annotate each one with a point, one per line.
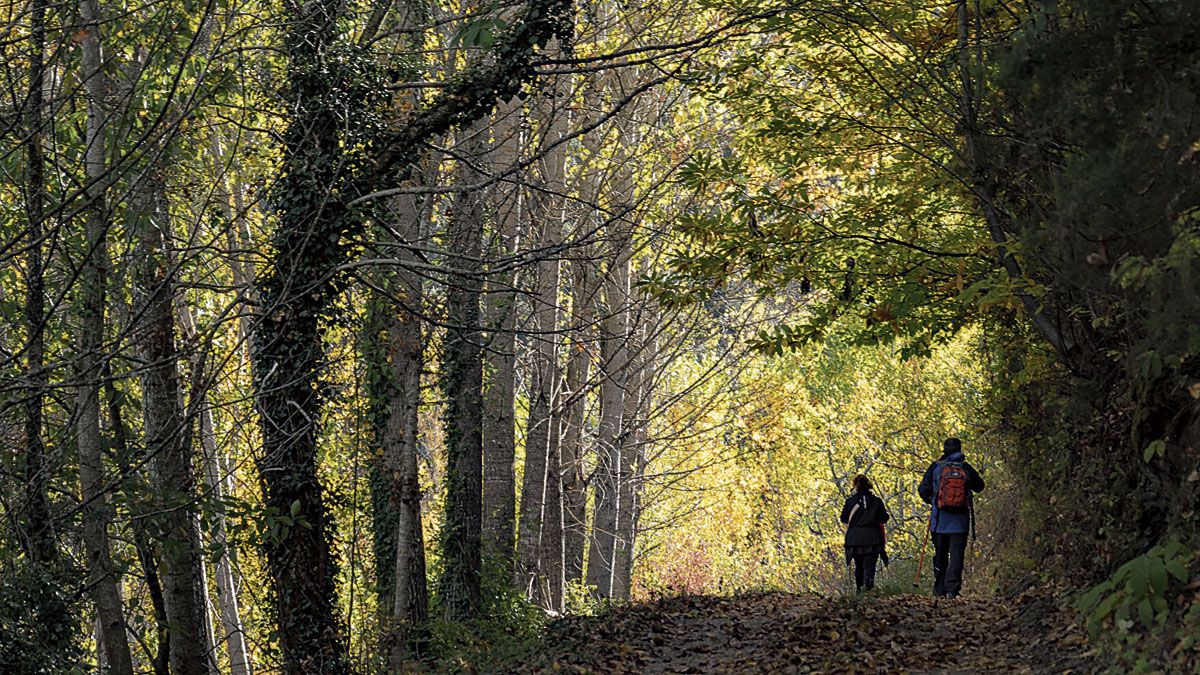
(952, 493)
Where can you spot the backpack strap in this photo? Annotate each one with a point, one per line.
(850, 518)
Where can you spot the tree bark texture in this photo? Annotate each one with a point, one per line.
(462, 385)
(579, 359)
(540, 538)
(217, 473)
(288, 359)
(499, 443)
(633, 456)
(395, 381)
(103, 578)
(166, 441)
(614, 332)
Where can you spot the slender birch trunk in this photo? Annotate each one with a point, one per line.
(219, 482)
(540, 537)
(217, 474)
(633, 452)
(585, 288)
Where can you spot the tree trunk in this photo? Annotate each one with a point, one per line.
(395, 361)
(614, 329)
(37, 531)
(164, 426)
(984, 191)
(540, 538)
(633, 455)
(411, 606)
(462, 385)
(499, 421)
(289, 346)
(574, 486)
(585, 287)
(103, 577)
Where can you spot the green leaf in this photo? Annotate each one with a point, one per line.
(1138, 579)
(1158, 578)
(1105, 608)
(1177, 570)
(1146, 613)
(1156, 448)
(295, 508)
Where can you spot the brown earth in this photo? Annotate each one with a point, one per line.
(786, 633)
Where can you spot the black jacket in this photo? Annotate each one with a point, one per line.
(864, 527)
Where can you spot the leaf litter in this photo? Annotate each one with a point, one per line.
(788, 633)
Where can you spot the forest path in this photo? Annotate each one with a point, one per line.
(785, 633)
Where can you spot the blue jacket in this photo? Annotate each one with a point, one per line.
(948, 523)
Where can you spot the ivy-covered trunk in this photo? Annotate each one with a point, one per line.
(394, 353)
(462, 385)
(289, 350)
(324, 174)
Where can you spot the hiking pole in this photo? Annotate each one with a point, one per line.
(921, 562)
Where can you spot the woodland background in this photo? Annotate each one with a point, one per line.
(356, 336)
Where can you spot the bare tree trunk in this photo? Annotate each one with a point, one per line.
(614, 329)
(585, 288)
(574, 485)
(462, 385)
(633, 453)
(167, 443)
(411, 607)
(538, 532)
(540, 538)
(499, 485)
(218, 479)
(104, 579)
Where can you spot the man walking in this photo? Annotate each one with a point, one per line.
(948, 487)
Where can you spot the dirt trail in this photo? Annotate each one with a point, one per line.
(783, 633)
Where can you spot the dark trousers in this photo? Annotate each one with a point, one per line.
(864, 570)
(948, 552)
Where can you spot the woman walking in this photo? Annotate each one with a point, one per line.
(863, 517)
